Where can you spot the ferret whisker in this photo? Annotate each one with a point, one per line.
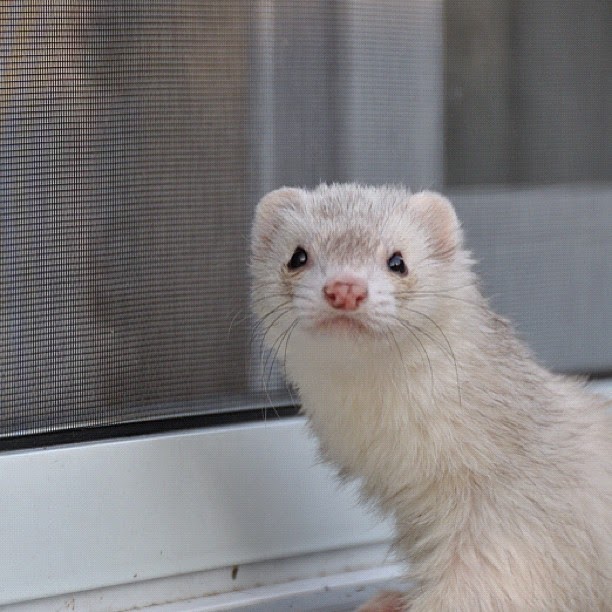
(263, 334)
(270, 359)
(268, 378)
(274, 309)
(434, 289)
(263, 285)
(278, 343)
(292, 328)
(434, 340)
(441, 293)
(264, 366)
(241, 320)
(423, 294)
(308, 299)
(283, 339)
(248, 315)
(450, 348)
(387, 332)
(268, 296)
(442, 346)
(273, 323)
(266, 391)
(270, 313)
(470, 284)
(422, 351)
(254, 285)
(270, 402)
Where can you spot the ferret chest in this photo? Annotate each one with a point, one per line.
(368, 430)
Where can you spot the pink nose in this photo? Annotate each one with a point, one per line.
(346, 292)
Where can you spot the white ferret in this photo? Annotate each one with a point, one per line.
(497, 473)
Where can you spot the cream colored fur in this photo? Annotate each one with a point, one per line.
(498, 473)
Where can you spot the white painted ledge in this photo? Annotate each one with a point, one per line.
(329, 581)
(87, 516)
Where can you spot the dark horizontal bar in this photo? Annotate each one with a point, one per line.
(143, 428)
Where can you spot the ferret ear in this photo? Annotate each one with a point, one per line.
(438, 217)
(267, 215)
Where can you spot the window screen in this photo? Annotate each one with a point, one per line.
(136, 138)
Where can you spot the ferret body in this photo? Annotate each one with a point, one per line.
(497, 473)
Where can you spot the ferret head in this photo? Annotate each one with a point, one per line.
(344, 264)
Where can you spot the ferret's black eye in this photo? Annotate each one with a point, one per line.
(298, 259)
(396, 264)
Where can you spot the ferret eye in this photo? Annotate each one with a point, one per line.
(298, 259)
(396, 264)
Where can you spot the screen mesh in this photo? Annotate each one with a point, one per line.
(136, 138)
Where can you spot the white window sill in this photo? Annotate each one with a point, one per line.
(88, 516)
(329, 581)
(242, 517)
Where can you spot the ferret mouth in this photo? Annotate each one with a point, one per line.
(341, 323)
